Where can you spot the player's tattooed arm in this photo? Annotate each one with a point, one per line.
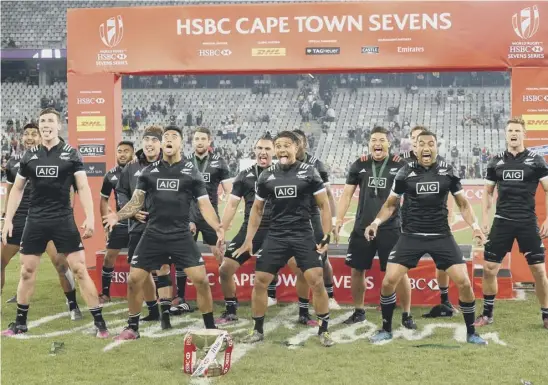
(133, 206)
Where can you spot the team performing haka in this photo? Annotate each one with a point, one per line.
(169, 185)
(516, 173)
(445, 308)
(214, 170)
(425, 230)
(289, 186)
(51, 169)
(374, 175)
(31, 138)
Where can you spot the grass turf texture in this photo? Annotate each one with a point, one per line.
(157, 357)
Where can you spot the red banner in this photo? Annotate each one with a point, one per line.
(376, 35)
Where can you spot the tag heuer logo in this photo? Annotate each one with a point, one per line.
(92, 149)
(370, 49)
(323, 50)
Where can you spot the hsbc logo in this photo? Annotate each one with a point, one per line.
(376, 182)
(92, 149)
(90, 101)
(422, 284)
(167, 184)
(112, 32)
(47, 171)
(214, 52)
(285, 191)
(535, 98)
(512, 175)
(428, 187)
(526, 22)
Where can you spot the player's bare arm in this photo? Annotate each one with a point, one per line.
(344, 204)
(13, 201)
(128, 211)
(390, 205)
(84, 192)
(227, 188)
(255, 218)
(469, 217)
(230, 210)
(332, 203)
(544, 228)
(323, 203)
(5, 205)
(486, 205)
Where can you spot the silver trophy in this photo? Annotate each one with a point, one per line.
(201, 350)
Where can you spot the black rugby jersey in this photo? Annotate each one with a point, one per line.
(109, 185)
(290, 190)
(12, 167)
(324, 174)
(425, 191)
(517, 178)
(51, 175)
(214, 171)
(370, 203)
(245, 186)
(171, 190)
(126, 186)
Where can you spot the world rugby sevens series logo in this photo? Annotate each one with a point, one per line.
(526, 22)
(112, 34)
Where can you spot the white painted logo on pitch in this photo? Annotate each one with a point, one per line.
(428, 187)
(512, 175)
(167, 184)
(376, 182)
(285, 191)
(47, 171)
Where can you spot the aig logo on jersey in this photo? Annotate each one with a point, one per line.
(516, 175)
(376, 182)
(167, 184)
(207, 177)
(47, 171)
(428, 187)
(285, 191)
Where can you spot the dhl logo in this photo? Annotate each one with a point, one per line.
(90, 123)
(536, 122)
(268, 52)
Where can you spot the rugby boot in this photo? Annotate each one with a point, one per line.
(253, 337)
(101, 330)
(333, 304)
(165, 322)
(545, 321)
(151, 317)
(12, 299)
(409, 323)
(450, 306)
(75, 315)
(103, 298)
(380, 335)
(326, 340)
(14, 329)
(179, 306)
(307, 321)
(483, 320)
(475, 339)
(127, 335)
(272, 301)
(357, 316)
(226, 318)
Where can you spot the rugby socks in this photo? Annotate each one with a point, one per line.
(133, 321)
(272, 288)
(469, 312)
(181, 283)
(152, 309)
(259, 323)
(329, 289)
(231, 304)
(324, 321)
(155, 279)
(444, 294)
(303, 307)
(544, 311)
(165, 305)
(488, 305)
(97, 313)
(70, 278)
(106, 278)
(209, 322)
(71, 298)
(22, 311)
(388, 303)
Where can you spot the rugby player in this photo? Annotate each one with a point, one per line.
(516, 172)
(151, 152)
(170, 185)
(51, 168)
(441, 276)
(215, 172)
(119, 237)
(30, 139)
(375, 175)
(289, 185)
(425, 230)
(244, 187)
